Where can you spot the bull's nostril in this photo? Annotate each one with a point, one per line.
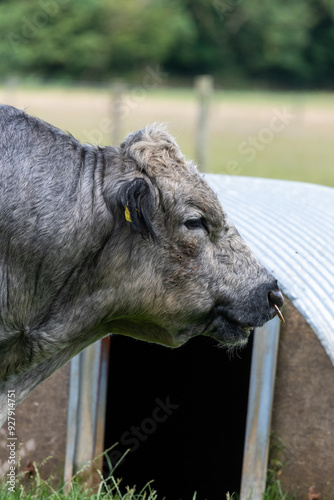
(276, 297)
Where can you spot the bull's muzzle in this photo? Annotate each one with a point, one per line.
(234, 321)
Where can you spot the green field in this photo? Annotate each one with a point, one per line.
(263, 134)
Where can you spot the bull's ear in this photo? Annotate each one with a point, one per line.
(136, 201)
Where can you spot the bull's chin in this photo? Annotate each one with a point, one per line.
(236, 341)
(229, 334)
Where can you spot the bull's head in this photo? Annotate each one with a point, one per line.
(186, 271)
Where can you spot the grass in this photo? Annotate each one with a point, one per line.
(78, 491)
(299, 148)
(36, 488)
(277, 462)
(109, 488)
(42, 491)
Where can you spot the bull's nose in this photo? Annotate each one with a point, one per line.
(275, 297)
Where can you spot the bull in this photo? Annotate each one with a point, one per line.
(129, 240)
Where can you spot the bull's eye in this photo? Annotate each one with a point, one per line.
(199, 223)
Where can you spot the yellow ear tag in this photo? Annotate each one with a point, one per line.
(127, 214)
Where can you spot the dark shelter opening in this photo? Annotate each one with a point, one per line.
(181, 413)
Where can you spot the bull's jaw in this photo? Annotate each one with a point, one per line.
(149, 332)
(227, 333)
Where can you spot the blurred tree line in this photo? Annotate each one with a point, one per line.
(280, 43)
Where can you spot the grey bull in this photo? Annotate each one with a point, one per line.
(129, 240)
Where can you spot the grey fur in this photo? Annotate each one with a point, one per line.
(73, 269)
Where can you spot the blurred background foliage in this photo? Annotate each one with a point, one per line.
(272, 43)
(63, 60)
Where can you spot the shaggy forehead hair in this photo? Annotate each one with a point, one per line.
(156, 152)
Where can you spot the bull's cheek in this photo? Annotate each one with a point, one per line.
(185, 312)
(176, 276)
(182, 263)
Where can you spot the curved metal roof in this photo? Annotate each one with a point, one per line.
(290, 227)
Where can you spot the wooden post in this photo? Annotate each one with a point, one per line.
(118, 88)
(11, 87)
(204, 87)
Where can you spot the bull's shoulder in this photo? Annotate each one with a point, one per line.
(16, 123)
(6, 109)
(9, 113)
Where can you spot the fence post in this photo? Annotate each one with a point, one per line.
(11, 87)
(204, 88)
(118, 89)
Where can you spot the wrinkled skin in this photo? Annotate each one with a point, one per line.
(128, 240)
